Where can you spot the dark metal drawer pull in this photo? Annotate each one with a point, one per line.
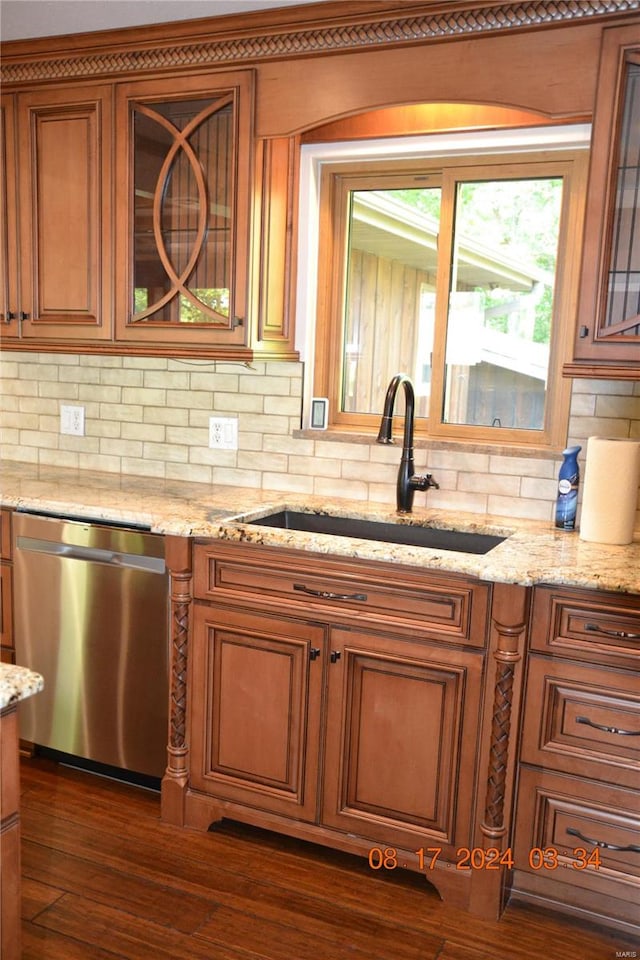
(328, 595)
(601, 726)
(631, 848)
(620, 634)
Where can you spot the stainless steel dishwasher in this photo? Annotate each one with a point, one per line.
(91, 616)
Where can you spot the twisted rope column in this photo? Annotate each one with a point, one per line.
(178, 553)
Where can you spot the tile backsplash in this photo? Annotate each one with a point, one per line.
(149, 416)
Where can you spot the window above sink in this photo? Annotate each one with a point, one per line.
(424, 268)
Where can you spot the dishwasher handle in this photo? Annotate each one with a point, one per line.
(131, 561)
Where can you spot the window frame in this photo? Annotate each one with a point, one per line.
(337, 179)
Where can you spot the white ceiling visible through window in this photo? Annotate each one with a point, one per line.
(20, 19)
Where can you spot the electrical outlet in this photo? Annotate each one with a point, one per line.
(72, 420)
(223, 433)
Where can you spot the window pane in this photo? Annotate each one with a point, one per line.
(501, 302)
(390, 294)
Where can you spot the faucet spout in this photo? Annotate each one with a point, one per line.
(408, 481)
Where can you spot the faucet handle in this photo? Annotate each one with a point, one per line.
(423, 482)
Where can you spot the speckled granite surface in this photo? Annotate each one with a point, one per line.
(17, 683)
(532, 552)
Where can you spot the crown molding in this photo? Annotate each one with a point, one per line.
(216, 46)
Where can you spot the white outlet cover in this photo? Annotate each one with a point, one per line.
(223, 433)
(72, 420)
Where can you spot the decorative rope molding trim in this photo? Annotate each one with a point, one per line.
(500, 735)
(315, 40)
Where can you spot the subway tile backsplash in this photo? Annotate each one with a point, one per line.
(149, 416)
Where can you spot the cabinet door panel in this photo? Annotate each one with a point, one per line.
(402, 728)
(609, 308)
(65, 212)
(184, 161)
(9, 297)
(256, 705)
(6, 621)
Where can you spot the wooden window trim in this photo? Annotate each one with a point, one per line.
(337, 179)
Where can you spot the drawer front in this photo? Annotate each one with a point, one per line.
(583, 720)
(585, 624)
(454, 610)
(579, 833)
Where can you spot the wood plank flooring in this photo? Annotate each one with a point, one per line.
(104, 879)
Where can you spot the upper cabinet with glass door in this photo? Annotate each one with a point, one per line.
(184, 163)
(608, 332)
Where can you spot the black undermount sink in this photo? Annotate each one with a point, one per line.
(415, 536)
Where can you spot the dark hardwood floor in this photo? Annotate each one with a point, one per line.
(103, 878)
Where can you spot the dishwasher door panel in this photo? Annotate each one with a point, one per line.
(92, 617)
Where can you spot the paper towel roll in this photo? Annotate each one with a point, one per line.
(610, 499)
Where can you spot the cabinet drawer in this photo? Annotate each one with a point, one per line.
(585, 624)
(563, 816)
(583, 720)
(452, 608)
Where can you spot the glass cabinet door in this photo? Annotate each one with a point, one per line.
(621, 306)
(609, 310)
(187, 183)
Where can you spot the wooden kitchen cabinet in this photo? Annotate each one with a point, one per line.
(183, 177)
(10, 882)
(337, 701)
(6, 580)
(8, 229)
(56, 196)
(255, 722)
(401, 740)
(608, 329)
(148, 253)
(580, 758)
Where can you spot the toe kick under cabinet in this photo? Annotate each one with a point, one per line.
(577, 837)
(365, 706)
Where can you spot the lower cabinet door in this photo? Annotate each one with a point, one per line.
(6, 626)
(256, 684)
(402, 741)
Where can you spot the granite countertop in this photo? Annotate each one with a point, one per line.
(532, 551)
(17, 683)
